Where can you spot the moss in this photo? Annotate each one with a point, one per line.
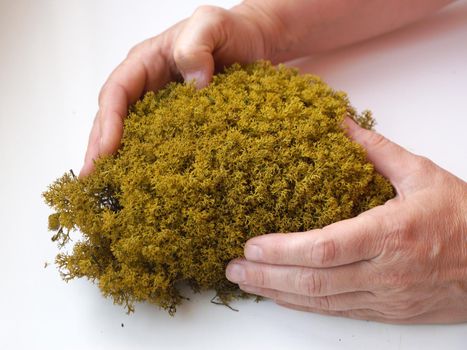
(199, 172)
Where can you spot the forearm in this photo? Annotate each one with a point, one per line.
(301, 27)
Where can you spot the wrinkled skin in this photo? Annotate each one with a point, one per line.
(404, 262)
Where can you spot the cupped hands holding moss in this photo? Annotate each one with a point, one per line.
(200, 172)
(401, 262)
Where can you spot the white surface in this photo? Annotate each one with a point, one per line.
(54, 57)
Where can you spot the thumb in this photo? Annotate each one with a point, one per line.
(390, 160)
(214, 38)
(202, 34)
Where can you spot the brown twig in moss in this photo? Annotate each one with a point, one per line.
(219, 301)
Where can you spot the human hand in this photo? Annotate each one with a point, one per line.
(213, 38)
(192, 49)
(402, 262)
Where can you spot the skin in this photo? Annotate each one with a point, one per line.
(213, 38)
(403, 262)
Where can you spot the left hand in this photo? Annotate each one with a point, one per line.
(402, 262)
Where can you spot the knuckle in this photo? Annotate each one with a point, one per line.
(423, 164)
(404, 228)
(208, 10)
(258, 277)
(150, 47)
(278, 253)
(323, 252)
(310, 283)
(184, 52)
(215, 17)
(399, 241)
(211, 20)
(401, 237)
(374, 140)
(135, 50)
(397, 281)
(180, 53)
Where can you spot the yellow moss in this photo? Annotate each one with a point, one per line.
(199, 172)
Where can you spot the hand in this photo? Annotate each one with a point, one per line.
(192, 49)
(213, 38)
(402, 262)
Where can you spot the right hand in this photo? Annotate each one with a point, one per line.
(193, 49)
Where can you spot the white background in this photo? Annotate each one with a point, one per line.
(55, 55)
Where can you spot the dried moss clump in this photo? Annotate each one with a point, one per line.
(198, 173)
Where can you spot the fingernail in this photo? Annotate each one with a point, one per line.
(253, 252)
(235, 273)
(196, 77)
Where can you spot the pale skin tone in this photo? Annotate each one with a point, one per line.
(402, 262)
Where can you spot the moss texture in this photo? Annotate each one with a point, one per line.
(199, 172)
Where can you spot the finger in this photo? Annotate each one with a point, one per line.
(391, 160)
(301, 280)
(124, 86)
(194, 47)
(358, 314)
(146, 69)
(108, 126)
(344, 242)
(214, 38)
(337, 302)
(434, 317)
(445, 316)
(92, 151)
